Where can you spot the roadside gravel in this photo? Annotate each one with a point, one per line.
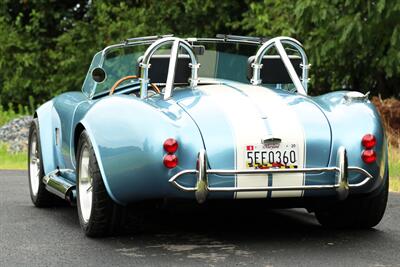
(15, 134)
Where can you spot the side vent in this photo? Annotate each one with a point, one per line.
(57, 136)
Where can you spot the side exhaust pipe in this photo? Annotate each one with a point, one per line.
(60, 186)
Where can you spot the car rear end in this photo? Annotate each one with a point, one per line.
(261, 143)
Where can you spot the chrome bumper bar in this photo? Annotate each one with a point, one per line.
(202, 188)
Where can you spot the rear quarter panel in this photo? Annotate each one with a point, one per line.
(128, 133)
(350, 121)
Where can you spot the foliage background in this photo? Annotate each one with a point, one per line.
(46, 45)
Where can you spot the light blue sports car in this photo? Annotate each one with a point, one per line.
(208, 119)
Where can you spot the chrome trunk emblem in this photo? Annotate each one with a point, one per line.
(272, 140)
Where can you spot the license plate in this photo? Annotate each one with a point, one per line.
(281, 155)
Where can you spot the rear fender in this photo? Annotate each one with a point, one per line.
(350, 121)
(127, 135)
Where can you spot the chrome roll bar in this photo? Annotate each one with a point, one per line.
(202, 188)
(176, 44)
(159, 40)
(301, 86)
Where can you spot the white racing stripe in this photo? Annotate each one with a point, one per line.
(248, 128)
(285, 125)
(249, 109)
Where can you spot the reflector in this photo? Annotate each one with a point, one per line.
(368, 156)
(170, 161)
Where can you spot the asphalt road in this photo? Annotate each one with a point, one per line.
(52, 237)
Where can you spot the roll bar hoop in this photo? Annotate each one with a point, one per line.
(176, 44)
(301, 86)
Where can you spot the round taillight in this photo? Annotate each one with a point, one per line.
(368, 156)
(171, 145)
(368, 141)
(170, 161)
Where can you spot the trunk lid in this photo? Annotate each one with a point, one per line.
(233, 117)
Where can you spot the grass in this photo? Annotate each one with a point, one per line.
(16, 161)
(12, 161)
(394, 169)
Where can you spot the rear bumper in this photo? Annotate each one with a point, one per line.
(202, 187)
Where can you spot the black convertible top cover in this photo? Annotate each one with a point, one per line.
(273, 70)
(158, 70)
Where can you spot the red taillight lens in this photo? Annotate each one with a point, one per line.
(171, 145)
(368, 141)
(368, 156)
(170, 161)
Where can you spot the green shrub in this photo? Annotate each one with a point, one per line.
(8, 114)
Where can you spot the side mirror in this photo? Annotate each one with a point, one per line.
(99, 75)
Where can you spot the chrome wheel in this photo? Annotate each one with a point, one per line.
(34, 165)
(85, 185)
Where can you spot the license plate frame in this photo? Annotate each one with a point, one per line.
(283, 155)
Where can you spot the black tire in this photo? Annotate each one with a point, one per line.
(40, 197)
(360, 213)
(105, 215)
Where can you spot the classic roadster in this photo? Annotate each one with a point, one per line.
(208, 119)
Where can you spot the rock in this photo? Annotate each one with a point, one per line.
(16, 133)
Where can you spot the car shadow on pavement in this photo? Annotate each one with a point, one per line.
(215, 235)
(250, 225)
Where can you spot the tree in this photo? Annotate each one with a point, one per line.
(351, 44)
(46, 45)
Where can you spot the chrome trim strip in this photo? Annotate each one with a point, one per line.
(147, 38)
(202, 188)
(135, 41)
(207, 40)
(229, 37)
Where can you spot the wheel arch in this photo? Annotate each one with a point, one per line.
(84, 126)
(79, 128)
(48, 120)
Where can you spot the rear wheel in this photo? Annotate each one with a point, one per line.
(39, 195)
(364, 212)
(98, 214)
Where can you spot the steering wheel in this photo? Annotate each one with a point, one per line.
(130, 77)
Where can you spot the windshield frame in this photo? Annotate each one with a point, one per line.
(149, 40)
